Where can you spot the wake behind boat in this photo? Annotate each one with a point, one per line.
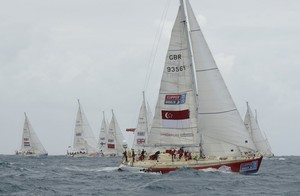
(196, 123)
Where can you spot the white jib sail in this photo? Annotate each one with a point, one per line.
(84, 139)
(30, 141)
(221, 126)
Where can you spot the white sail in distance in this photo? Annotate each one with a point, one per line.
(102, 141)
(143, 125)
(84, 139)
(30, 141)
(115, 138)
(259, 140)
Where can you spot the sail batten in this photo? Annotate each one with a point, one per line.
(220, 112)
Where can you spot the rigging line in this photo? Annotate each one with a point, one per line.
(155, 45)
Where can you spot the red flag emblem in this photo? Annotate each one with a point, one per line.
(175, 115)
(130, 130)
(110, 146)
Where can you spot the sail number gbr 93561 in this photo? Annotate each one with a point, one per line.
(175, 57)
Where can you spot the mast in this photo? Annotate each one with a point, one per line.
(249, 123)
(146, 113)
(256, 115)
(185, 14)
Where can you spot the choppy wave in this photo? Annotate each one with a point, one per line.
(96, 176)
(223, 169)
(100, 169)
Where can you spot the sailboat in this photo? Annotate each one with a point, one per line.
(261, 142)
(143, 126)
(84, 143)
(31, 145)
(196, 123)
(102, 142)
(115, 139)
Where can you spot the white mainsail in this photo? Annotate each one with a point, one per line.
(194, 107)
(143, 126)
(84, 139)
(102, 142)
(175, 118)
(259, 140)
(115, 138)
(31, 145)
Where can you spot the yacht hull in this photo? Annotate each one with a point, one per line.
(242, 166)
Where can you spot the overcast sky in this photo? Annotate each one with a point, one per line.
(55, 52)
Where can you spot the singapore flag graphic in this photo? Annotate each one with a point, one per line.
(175, 119)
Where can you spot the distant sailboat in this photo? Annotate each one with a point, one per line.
(143, 126)
(196, 123)
(31, 145)
(261, 142)
(102, 142)
(84, 143)
(115, 139)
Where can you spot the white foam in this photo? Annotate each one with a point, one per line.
(107, 169)
(101, 169)
(223, 169)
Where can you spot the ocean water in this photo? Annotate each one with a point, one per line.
(59, 175)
